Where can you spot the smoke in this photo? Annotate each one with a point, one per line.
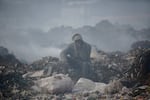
(32, 44)
(32, 29)
(29, 45)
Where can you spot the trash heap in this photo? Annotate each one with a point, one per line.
(116, 76)
(12, 85)
(109, 66)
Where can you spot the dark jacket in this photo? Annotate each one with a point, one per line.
(74, 52)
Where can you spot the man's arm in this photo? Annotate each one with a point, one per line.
(64, 55)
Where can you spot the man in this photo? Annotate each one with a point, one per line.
(77, 55)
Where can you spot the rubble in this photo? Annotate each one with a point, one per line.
(111, 66)
(140, 67)
(36, 74)
(12, 84)
(113, 87)
(116, 76)
(43, 63)
(84, 85)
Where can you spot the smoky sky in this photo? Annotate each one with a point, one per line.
(35, 28)
(50, 13)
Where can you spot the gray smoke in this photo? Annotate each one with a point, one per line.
(32, 29)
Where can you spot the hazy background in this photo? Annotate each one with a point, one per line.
(35, 28)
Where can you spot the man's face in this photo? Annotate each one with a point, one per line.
(78, 42)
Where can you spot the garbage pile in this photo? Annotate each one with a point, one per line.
(116, 76)
(111, 66)
(12, 84)
(140, 69)
(104, 67)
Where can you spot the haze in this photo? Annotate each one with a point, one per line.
(36, 28)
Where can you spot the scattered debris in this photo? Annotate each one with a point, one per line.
(115, 75)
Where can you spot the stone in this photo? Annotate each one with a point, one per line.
(58, 83)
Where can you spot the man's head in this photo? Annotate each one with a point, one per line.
(76, 37)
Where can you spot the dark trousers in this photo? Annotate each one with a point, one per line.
(80, 67)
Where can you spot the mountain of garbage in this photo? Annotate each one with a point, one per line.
(114, 76)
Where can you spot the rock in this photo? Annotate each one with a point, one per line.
(58, 83)
(36, 88)
(113, 87)
(97, 55)
(92, 97)
(125, 91)
(83, 85)
(69, 96)
(143, 87)
(126, 97)
(86, 94)
(140, 91)
(39, 73)
(87, 86)
(100, 87)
